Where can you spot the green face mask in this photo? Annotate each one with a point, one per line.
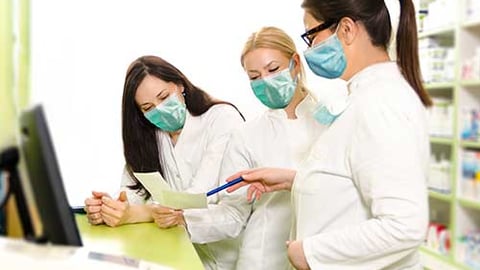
(168, 115)
(275, 91)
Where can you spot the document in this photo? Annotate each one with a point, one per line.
(164, 195)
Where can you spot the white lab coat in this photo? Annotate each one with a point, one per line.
(193, 164)
(360, 199)
(270, 140)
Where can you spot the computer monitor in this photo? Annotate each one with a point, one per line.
(45, 181)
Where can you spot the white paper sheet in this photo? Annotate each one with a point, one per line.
(164, 195)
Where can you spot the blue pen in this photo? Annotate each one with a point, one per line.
(229, 184)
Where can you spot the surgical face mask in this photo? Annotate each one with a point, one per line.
(326, 114)
(275, 91)
(168, 115)
(327, 59)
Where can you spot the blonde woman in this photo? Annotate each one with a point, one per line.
(279, 137)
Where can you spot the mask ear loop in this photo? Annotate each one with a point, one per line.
(290, 67)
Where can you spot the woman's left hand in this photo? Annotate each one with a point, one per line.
(166, 217)
(296, 255)
(115, 212)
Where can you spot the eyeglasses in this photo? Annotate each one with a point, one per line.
(307, 36)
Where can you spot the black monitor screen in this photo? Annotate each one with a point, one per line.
(58, 222)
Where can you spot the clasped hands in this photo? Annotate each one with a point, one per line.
(102, 209)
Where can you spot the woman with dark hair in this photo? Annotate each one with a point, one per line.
(360, 199)
(169, 126)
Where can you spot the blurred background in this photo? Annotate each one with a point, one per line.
(78, 52)
(71, 56)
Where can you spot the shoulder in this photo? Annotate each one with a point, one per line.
(222, 111)
(390, 110)
(221, 116)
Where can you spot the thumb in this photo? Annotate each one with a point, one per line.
(99, 195)
(123, 196)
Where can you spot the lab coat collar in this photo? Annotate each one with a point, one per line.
(372, 72)
(304, 108)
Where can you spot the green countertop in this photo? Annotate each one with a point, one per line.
(145, 241)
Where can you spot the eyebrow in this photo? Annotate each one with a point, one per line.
(158, 95)
(267, 65)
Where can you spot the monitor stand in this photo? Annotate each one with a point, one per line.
(9, 159)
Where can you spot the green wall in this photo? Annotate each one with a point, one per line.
(7, 105)
(14, 90)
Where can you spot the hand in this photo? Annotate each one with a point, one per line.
(262, 180)
(296, 256)
(115, 212)
(93, 207)
(166, 217)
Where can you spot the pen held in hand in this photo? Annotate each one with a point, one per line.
(229, 184)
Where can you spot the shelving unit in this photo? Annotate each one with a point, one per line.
(460, 213)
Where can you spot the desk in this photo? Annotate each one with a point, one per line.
(144, 241)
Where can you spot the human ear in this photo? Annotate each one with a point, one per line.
(348, 30)
(296, 63)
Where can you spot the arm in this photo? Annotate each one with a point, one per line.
(387, 163)
(223, 120)
(130, 207)
(263, 180)
(118, 212)
(226, 218)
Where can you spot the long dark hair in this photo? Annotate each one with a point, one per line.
(376, 19)
(139, 140)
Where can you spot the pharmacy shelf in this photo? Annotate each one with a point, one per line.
(433, 260)
(440, 196)
(469, 203)
(441, 140)
(471, 24)
(464, 37)
(448, 260)
(444, 31)
(470, 83)
(470, 144)
(439, 86)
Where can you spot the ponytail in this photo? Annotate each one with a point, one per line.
(407, 50)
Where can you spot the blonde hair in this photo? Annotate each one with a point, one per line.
(271, 37)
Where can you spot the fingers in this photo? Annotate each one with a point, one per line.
(255, 191)
(99, 195)
(159, 210)
(237, 186)
(168, 219)
(92, 202)
(113, 211)
(111, 221)
(236, 175)
(95, 218)
(122, 197)
(93, 208)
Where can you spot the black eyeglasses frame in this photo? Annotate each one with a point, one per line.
(306, 36)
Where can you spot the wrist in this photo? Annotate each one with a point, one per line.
(291, 178)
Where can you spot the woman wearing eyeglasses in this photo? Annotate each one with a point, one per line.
(360, 199)
(280, 137)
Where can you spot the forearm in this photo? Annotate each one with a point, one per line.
(139, 213)
(218, 222)
(374, 242)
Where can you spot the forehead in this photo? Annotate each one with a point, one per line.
(309, 21)
(150, 87)
(260, 57)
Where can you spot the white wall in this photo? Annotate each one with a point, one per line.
(81, 50)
